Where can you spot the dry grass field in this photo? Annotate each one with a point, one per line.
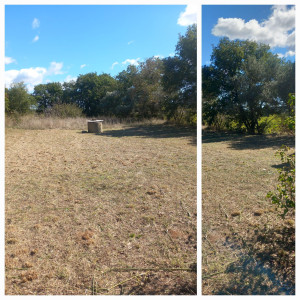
(247, 248)
(90, 214)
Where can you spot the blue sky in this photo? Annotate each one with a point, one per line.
(273, 25)
(46, 43)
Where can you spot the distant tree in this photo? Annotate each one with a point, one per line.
(180, 74)
(17, 99)
(126, 77)
(147, 89)
(91, 89)
(69, 92)
(124, 97)
(242, 82)
(47, 95)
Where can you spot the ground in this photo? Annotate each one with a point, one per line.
(247, 248)
(101, 214)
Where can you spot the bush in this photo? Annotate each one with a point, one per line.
(183, 116)
(289, 123)
(64, 111)
(271, 124)
(284, 197)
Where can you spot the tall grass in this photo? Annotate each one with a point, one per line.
(40, 122)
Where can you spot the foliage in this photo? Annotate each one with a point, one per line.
(180, 76)
(47, 95)
(271, 124)
(64, 110)
(147, 89)
(244, 82)
(284, 197)
(17, 99)
(90, 91)
(289, 122)
(154, 88)
(286, 83)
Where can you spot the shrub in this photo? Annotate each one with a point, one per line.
(289, 122)
(65, 110)
(270, 124)
(284, 197)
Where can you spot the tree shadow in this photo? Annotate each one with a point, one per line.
(155, 131)
(285, 166)
(155, 284)
(248, 142)
(268, 268)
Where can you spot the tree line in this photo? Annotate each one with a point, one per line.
(155, 88)
(244, 83)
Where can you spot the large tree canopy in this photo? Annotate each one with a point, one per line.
(244, 82)
(180, 73)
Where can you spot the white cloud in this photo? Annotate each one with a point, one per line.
(70, 78)
(9, 60)
(288, 53)
(277, 31)
(130, 42)
(172, 54)
(131, 61)
(189, 16)
(114, 64)
(32, 76)
(82, 66)
(55, 68)
(159, 56)
(35, 23)
(36, 38)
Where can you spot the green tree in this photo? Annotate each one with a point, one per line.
(91, 90)
(180, 75)
(47, 95)
(286, 83)
(69, 92)
(242, 83)
(18, 100)
(147, 89)
(139, 91)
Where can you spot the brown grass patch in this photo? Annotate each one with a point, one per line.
(253, 252)
(77, 207)
(28, 276)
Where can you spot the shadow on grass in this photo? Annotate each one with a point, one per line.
(246, 142)
(164, 285)
(268, 268)
(154, 131)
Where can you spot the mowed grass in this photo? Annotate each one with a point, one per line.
(247, 249)
(91, 214)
